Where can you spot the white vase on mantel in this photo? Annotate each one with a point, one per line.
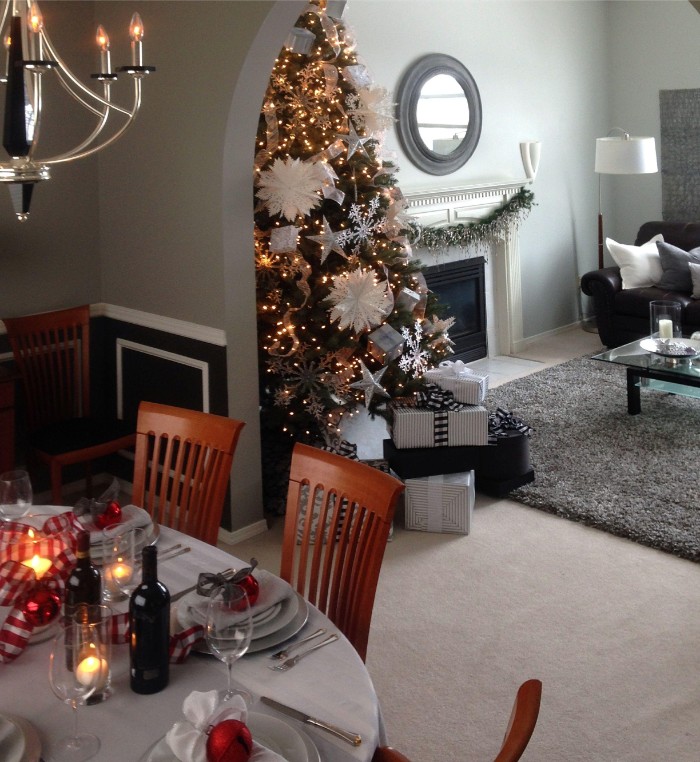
(530, 151)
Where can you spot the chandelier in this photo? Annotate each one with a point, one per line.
(30, 55)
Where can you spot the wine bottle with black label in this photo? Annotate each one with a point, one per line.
(149, 619)
(84, 585)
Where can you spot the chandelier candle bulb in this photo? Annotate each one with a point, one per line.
(103, 43)
(39, 565)
(136, 34)
(36, 25)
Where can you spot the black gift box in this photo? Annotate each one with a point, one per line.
(499, 468)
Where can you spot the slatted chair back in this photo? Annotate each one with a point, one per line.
(52, 355)
(337, 524)
(182, 467)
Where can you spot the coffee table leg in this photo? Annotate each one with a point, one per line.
(634, 403)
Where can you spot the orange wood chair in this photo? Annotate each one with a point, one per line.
(339, 514)
(521, 725)
(52, 356)
(182, 467)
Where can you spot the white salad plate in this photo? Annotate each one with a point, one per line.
(19, 741)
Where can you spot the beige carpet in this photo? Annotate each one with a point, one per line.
(612, 629)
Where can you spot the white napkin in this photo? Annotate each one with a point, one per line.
(273, 590)
(132, 516)
(188, 739)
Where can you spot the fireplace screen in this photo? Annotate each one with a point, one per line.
(460, 287)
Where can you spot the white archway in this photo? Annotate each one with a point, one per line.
(239, 260)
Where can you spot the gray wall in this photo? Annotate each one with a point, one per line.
(162, 221)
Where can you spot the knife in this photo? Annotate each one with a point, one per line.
(352, 738)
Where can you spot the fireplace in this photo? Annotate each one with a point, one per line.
(460, 287)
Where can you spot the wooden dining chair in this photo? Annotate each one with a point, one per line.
(182, 467)
(339, 513)
(51, 351)
(521, 725)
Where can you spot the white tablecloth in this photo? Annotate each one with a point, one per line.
(332, 684)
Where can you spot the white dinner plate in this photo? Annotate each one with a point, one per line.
(192, 610)
(19, 741)
(294, 745)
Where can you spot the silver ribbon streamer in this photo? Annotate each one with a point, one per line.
(330, 72)
(329, 29)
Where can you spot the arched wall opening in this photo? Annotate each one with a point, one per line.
(239, 260)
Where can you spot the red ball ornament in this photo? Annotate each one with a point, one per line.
(111, 515)
(251, 587)
(41, 606)
(229, 741)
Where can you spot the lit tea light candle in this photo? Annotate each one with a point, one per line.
(118, 572)
(39, 565)
(665, 328)
(93, 672)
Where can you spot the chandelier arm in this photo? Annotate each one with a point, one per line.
(71, 155)
(4, 16)
(66, 75)
(37, 107)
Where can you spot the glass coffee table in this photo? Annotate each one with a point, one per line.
(649, 366)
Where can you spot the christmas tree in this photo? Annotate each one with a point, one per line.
(344, 315)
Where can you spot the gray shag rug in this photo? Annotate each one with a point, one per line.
(635, 476)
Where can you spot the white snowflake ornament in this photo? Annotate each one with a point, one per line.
(414, 359)
(291, 187)
(360, 301)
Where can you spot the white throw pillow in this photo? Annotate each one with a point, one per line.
(640, 266)
(695, 277)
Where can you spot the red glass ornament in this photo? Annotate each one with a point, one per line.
(251, 587)
(111, 515)
(229, 741)
(41, 605)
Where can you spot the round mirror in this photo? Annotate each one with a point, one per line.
(439, 114)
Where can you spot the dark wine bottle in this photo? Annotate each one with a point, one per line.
(84, 585)
(149, 620)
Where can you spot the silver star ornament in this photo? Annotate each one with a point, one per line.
(370, 383)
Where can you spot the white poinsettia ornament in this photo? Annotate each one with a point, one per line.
(371, 109)
(360, 301)
(291, 187)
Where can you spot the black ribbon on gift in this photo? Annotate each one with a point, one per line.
(502, 421)
(435, 398)
(342, 447)
(207, 582)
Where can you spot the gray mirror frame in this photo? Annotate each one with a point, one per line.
(407, 124)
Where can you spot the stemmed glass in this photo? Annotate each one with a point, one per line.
(229, 629)
(15, 495)
(76, 671)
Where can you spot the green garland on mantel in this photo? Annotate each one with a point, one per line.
(463, 235)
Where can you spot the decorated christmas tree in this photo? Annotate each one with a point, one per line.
(345, 319)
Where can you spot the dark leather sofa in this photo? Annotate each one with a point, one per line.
(623, 315)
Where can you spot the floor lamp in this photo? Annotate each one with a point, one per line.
(621, 155)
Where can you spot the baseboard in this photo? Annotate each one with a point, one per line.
(226, 537)
(523, 344)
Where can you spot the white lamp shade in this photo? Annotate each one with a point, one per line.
(625, 156)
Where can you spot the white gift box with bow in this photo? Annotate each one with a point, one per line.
(466, 385)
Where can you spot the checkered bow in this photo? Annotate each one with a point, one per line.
(435, 398)
(502, 421)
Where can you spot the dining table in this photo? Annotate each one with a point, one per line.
(331, 684)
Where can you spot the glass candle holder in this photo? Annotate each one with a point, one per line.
(95, 664)
(665, 319)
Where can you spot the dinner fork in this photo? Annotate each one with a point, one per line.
(284, 653)
(289, 663)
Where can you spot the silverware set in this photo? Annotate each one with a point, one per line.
(174, 552)
(284, 653)
(293, 660)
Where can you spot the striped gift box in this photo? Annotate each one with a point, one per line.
(440, 503)
(466, 385)
(419, 427)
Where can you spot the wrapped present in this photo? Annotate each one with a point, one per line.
(442, 503)
(466, 385)
(436, 419)
(431, 461)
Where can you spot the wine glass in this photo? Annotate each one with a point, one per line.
(121, 560)
(15, 495)
(76, 671)
(229, 629)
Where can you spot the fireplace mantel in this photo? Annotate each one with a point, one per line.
(470, 203)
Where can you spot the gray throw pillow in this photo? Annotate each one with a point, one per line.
(675, 267)
(695, 278)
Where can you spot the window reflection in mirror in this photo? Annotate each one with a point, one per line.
(442, 114)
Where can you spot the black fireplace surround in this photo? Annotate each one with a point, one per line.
(460, 287)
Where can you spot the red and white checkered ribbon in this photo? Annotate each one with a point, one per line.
(19, 542)
(180, 643)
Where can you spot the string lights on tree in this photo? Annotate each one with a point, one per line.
(336, 279)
